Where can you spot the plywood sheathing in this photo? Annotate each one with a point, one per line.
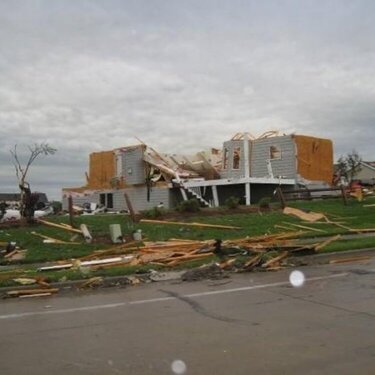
(102, 170)
(314, 158)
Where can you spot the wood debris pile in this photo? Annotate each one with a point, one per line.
(267, 250)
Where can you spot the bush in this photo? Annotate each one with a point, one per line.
(191, 205)
(154, 213)
(57, 206)
(264, 202)
(232, 202)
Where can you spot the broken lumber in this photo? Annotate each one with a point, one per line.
(305, 227)
(24, 292)
(254, 261)
(48, 223)
(83, 264)
(93, 281)
(283, 227)
(276, 259)
(201, 225)
(52, 240)
(327, 242)
(362, 230)
(311, 216)
(350, 260)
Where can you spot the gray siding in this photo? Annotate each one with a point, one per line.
(366, 175)
(133, 166)
(260, 153)
(138, 197)
(229, 172)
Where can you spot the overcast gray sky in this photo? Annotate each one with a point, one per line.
(180, 75)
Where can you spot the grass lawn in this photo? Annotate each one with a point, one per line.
(353, 215)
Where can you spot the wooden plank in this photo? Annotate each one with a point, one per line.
(22, 292)
(254, 261)
(311, 216)
(327, 242)
(132, 212)
(50, 224)
(305, 227)
(36, 295)
(54, 240)
(188, 258)
(274, 260)
(200, 225)
(350, 260)
(362, 230)
(283, 227)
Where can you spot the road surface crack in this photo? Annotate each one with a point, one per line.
(198, 308)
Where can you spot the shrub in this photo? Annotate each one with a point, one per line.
(191, 205)
(232, 202)
(154, 213)
(264, 202)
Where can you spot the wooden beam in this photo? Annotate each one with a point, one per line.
(200, 225)
(50, 224)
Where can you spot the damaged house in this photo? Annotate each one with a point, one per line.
(246, 167)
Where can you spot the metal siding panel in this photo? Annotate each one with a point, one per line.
(138, 197)
(285, 167)
(133, 159)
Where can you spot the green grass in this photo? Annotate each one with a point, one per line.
(353, 215)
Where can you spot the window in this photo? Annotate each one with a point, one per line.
(110, 200)
(275, 152)
(225, 158)
(236, 158)
(102, 199)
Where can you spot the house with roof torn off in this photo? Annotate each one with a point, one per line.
(246, 167)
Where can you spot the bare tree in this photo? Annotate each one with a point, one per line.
(348, 166)
(37, 150)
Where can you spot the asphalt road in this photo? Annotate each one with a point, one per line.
(249, 324)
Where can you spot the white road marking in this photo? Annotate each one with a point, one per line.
(162, 299)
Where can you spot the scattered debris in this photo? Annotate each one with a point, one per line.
(115, 233)
(15, 255)
(212, 271)
(86, 233)
(165, 276)
(25, 281)
(51, 240)
(350, 260)
(91, 283)
(327, 242)
(31, 292)
(65, 227)
(305, 227)
(310, 217)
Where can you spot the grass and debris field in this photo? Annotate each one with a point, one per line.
(342, 220)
